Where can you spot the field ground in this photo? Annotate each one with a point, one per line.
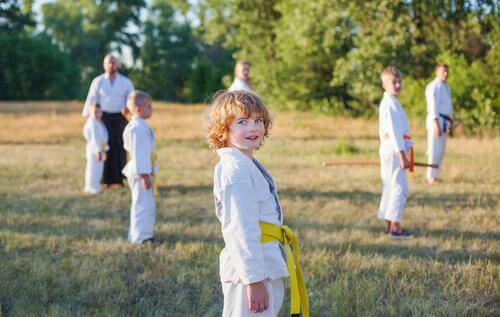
(63, 253)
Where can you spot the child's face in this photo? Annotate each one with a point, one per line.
(145, 110)
(246, 134)
(393, 85)
(96, 113)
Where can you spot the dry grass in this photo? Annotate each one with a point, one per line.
(66, 254)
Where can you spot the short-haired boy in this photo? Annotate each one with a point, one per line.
(139, 141)
(395, 145)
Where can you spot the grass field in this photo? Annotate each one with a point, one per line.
(63, 253)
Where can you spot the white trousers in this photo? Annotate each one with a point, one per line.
(142, 211)
(93, 173)
(236, 299)
(435, 152)
(394, 185)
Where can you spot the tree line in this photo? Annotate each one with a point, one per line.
(321, 55)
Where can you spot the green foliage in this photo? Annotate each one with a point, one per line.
(89, 29)
(15, 16)
(167, 53)
(327, 55)
(31, 67)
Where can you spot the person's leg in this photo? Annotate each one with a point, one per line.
(92, 176)
(399, 194)
(141, 214)
(385, 175)
(435, 151)
(116, 160)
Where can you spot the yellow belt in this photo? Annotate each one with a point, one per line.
(154, 158)
(283, 234)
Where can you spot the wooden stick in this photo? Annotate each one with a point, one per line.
(371, 162)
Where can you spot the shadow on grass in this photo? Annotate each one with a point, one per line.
(359, 197)
(399, 249)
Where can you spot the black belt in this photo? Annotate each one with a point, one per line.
(446, 118)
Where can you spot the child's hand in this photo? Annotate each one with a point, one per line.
(403, 160)
(258, 298)
(145, 181)
(449, 131)
(101, 156)
(437, 129)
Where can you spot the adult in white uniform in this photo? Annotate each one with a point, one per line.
(241, 77)
(439, 119)
(139, 141)
(111, 90)
(96, 135)
(395, 145)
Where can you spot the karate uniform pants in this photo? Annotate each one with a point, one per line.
(93, 173)
(115, 123)
(142, 211)
(236, 299)
(435, 152)
(394, 185)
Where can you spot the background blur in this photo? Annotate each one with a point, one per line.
(321, 56)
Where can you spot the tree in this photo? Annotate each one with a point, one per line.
(88, 29)
(31, 67)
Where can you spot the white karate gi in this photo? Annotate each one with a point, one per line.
(96, 135)
(138, 139)
(239, 84)
(438, 97)
(245, 194)
(111, 97)
(393, 126)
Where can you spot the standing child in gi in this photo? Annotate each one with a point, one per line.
(252, 264)
(139, 141)
(395, 145)
(96, 135)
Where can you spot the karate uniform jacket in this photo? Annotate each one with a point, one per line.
(139, 141)
(96, 135)
(244, 197)
(438, 97)
(111, 97)
(393, 125)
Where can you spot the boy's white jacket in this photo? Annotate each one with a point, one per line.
(96, 134)
(393, 124)
(139, 141)
(243, 198)
(438, 97)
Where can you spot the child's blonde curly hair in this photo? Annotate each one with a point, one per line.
(225, 107)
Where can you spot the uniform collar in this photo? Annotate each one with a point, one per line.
(232, 153)
(106, 75)
(139, 120)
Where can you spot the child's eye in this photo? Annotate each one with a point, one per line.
(242, 121)
(259, 120)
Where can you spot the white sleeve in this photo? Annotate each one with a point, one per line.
(394, 128)
(93, 140)
(241, 231)
(141, 151)
(129, 88)
(91, 96)
(430, 97)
